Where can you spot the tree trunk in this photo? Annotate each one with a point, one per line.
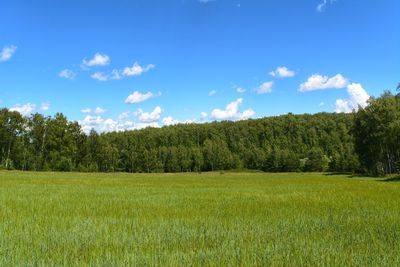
(8, 153)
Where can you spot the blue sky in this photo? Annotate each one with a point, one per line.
(115, 65)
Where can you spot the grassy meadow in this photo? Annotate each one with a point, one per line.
(209, 219)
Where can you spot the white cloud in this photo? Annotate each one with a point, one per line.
(99, 124)
(103, 77)
(167, 121)
(137, 97)
(86, 110)
(240, 90)
(124, 115)
(25, 109)
(7, 52)
(323, 5)
(343, 106)
(115, 75)
(265, 88)
(67, 74)
(100, 76)
(45, 106)
(85, 128)
(97, 60)
(99, 110)
(321, 104)
(203, 116)
(358, 96)
(136, 69)
(211, 93)
(138, 126)
(92, 120)
(96, 111)
(109, 125)
(282, 72)
(149, 117)
(231, 112)
(319, 82)
(125, 122)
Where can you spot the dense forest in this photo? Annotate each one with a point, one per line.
(364, 141)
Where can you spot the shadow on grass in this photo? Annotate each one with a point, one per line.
(350, 175)
(392, 179)
(338, 173)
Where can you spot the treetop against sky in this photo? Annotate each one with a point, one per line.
(117, 65)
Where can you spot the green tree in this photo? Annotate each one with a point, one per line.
(316, 161)
(377, 135)
(37, 136)
(11, 127)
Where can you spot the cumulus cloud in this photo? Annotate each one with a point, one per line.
(124, 115)
(116, 74)
(96, 111)
(203, 116)
(99, 110)
(45, 106)
(138, 126)
(358, 96)
(7, 52)
(97, 60)
(168, 121)
(282, 72)
(25, 109)
(128, 121)
(103, 77)
(100, 76)
(319, 82)
(343, 106)
(92, 120)
(231, 112)
(265, 88)
(109, 125)
(137, 97)
(100, 124)
(67, 74)
(136, 69)
(149, 117)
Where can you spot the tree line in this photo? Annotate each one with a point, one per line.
(363, 141)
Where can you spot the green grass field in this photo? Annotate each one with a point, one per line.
(232, 219)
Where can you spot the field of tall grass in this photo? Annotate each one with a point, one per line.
(209, 219)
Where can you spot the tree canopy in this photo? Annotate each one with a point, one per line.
(377, 135)
(285, 143)
(363, 141)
